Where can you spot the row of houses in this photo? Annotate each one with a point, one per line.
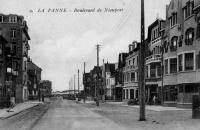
(172, 61)
(20, 77)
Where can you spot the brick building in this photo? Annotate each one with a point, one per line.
(34, 78)
(3, 95)
(181, 52)
(15, 30)
(130, 72)
(119, 77)
(45, 88)
(108, 71)
(154, 60)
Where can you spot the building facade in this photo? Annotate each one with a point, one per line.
(34, 78)
(15, 31)
(108, 71)
(3, 93)
(45, 88)
(130, 72)
(181, 53)
(154, 60)
(119, 77)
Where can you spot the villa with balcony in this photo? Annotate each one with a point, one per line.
(153, 60)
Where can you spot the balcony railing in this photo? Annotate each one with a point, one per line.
(153, 58)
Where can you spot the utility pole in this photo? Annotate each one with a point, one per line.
(78, 84)
(142, 66)
(97, 54)
(97, 78)
(74, 84)
(84, 82)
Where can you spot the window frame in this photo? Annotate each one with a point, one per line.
(193, 60)
(189, 36)
(170, 65)
(172, 46)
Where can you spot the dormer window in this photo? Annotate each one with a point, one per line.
(189, 36)
(13, 19)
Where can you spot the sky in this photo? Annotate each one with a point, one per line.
(62, 41)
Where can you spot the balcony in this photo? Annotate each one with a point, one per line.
(130, 67)
(153, 59)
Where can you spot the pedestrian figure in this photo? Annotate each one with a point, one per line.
(12, 104)
(42, 97)
(154, 100)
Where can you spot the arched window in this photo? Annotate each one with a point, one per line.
(173, 46)
(189, 36)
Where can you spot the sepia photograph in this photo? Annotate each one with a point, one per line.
(100, 65)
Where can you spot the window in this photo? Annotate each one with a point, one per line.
(198, 61)
(180, 41)
(133, 61)
(191, 88)
(133, 76)
(136, 93)
(137, 61)
(180, 62)
(14, 49)
(173, 46)
(13, 19)
(166, 66)
(153, 71)
(189, 61)
(188, 9)
(173, 65)
(14, 32)
(189, 36)
(127, 93)
(1, 19)
(173, 19)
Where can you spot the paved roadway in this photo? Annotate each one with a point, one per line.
(68, 115)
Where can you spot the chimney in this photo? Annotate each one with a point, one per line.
(130, 47)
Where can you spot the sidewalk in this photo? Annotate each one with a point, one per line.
(159, 108)
(150, 107)
(17, 109)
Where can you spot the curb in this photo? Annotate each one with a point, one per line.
(3, 118)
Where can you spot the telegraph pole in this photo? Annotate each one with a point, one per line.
(78, 84)
(142, 66)
(84, 82)
(97, 78)
(74, 84)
